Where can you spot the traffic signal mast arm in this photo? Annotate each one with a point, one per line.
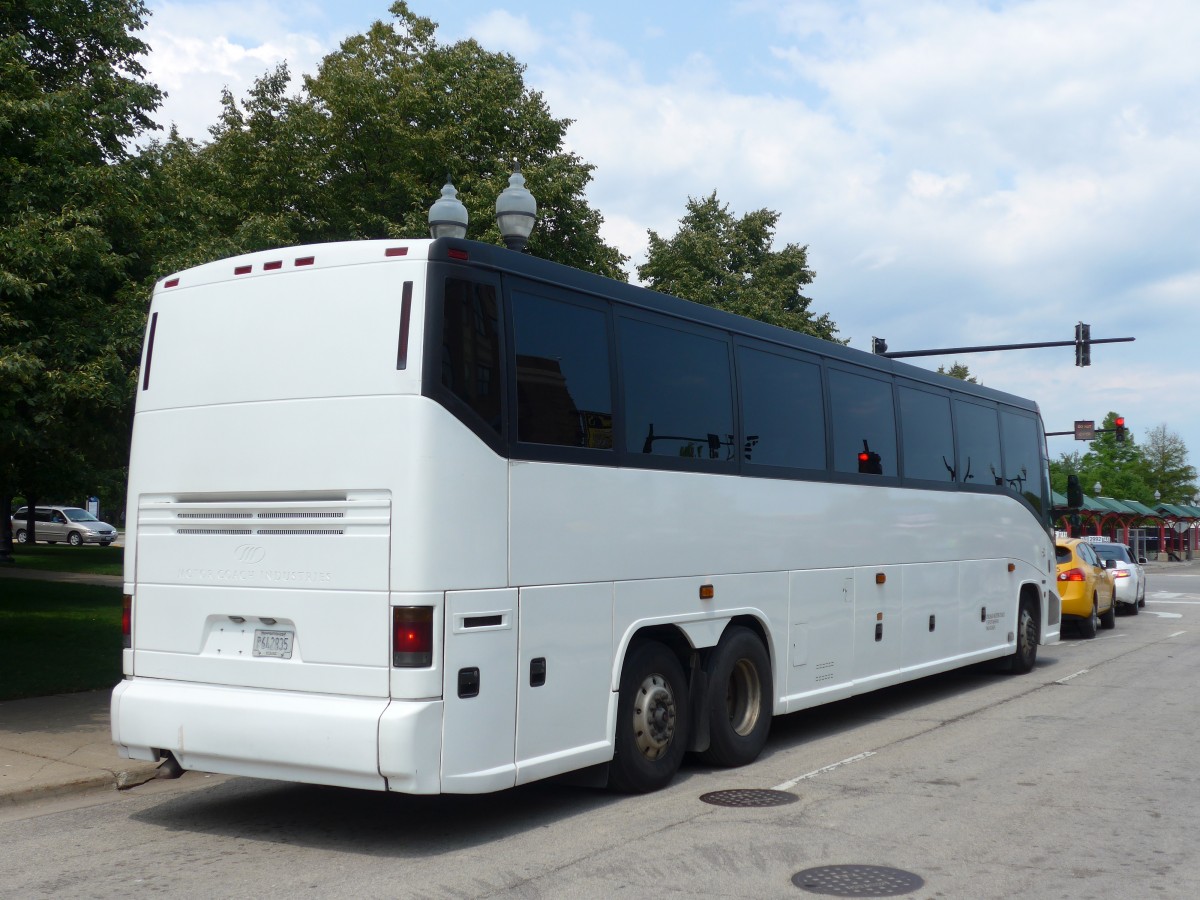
(949, 351)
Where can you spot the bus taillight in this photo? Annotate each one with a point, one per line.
(127, 621)
(412, 636)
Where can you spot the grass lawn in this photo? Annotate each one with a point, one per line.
(58, 638)
(89, 559)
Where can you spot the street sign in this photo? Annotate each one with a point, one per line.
(1085, 429)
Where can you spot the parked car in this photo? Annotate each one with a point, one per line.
(1085, 586)
(1129, 578)
(71, 524)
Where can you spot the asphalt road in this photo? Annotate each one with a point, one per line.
(1076, 780)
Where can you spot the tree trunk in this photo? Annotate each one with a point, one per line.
(6, 537)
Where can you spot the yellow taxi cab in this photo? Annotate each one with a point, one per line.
(1085, 586)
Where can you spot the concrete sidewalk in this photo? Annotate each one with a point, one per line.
(61, 744)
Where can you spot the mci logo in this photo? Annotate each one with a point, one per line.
(249, 554)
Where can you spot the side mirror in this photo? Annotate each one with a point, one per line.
(1074, 492)
(1142, 560)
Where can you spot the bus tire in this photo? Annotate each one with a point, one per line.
(1025, 654)
(739, 699)
(1087, 627)
(652, 720)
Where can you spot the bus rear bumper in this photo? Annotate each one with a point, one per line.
(357, 742)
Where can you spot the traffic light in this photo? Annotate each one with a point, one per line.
(878, 346)
(1120, 427)
(1083, 344)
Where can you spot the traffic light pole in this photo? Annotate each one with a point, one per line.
(948, 351)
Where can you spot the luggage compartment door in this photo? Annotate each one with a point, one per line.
(480, 692)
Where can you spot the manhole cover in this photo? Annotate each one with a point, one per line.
(749, 797)
(857, 881)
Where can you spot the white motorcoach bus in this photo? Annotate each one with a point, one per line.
(435, 516)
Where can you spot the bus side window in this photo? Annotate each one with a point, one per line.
(471, 347)
(1022, 459)
(783, 410)
(863, 418)
(678, 392)
(927, 436)
(564, 388)
(978, 436)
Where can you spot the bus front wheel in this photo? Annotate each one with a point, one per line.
(1025, 655)
(652, 720)
(739, 699)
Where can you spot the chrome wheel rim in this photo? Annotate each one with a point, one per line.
(654, 716)
(743, 697)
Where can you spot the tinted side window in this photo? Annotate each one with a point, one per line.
(863, 419)
(978, 436)
(564, 392)
(471, 347)
(1022, 457)
(783, 411)
(678, 392)
(928, 438)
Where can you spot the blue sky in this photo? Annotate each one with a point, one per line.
(962, 172)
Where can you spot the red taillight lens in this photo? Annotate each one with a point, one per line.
(126, 621)
(412, 636)
(1121, 573)
(1072, 575)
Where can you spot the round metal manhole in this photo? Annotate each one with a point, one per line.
(857, 881)
(748, 797)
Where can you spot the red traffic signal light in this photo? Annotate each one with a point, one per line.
(1120, 426)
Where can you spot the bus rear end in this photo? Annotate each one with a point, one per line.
(278, 411)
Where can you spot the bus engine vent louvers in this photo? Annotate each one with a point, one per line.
(302, 515)
(214, 531)
(299, 531)
(220, 515)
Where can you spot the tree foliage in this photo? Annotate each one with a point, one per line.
(722, 261)
(1118, 466)
(958, 370)
(1166, 467)
(362, 149)
(72, 96)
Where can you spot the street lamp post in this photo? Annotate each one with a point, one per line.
(516, 211)
(448, 216)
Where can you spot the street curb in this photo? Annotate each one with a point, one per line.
(108, 780)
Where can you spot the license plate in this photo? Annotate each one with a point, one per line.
(273, 643)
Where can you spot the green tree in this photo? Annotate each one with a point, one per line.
(1165, 458)
(1066, 465)
(72, 97)
(726, 262)
(1117, 466)
(958, 370)
(362, 151)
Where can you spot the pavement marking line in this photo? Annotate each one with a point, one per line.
(1176, 634)
(788, 785)
(1072, 675)
(1176, 602)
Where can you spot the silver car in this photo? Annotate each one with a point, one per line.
(71, 524)
(1129, 578)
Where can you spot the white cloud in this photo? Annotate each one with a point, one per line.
(197, 51)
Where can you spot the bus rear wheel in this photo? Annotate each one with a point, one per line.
(739, 699)
(652, 720)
